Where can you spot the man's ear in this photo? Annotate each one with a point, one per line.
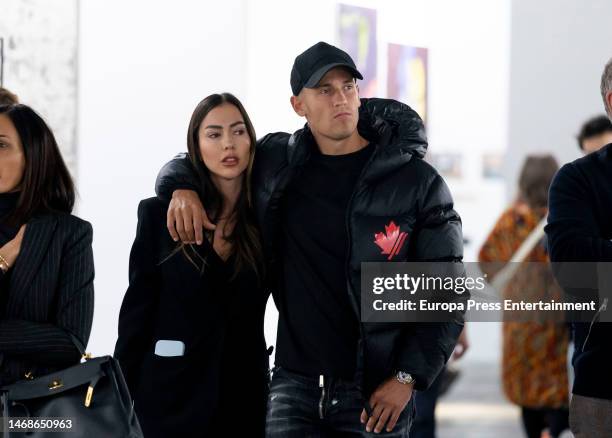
(609, 102)
(298, 106)
(358, 97)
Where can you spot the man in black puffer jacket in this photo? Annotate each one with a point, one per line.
(326, 199)
(580, 230)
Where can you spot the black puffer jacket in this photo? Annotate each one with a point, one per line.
(395, 185)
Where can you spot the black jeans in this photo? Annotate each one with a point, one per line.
(299, 407)
(424, 425)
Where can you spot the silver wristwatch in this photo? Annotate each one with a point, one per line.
(404, 378)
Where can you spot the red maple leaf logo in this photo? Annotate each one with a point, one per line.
(391, 241)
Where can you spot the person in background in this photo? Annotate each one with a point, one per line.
(580, 230)
(595, 134)
(191, 328)
(46, 260)
(534, 364)
(7, 98)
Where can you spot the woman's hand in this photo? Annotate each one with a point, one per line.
(10, 250)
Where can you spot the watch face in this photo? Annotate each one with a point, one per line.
(404, 377)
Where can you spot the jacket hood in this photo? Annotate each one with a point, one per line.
(394, 127)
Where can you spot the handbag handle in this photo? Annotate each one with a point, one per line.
(79, 345)
(503, 277)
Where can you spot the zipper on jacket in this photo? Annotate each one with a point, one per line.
(322, 399)
(347, 216)
(594, 320)
(347, 263)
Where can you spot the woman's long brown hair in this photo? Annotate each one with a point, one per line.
(46, 185)
(244, 237)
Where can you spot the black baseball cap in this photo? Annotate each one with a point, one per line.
(311, 65)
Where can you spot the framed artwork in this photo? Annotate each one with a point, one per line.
(357, 36)
(407, 77)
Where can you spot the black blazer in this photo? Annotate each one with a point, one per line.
(51, 296)
(184, 395)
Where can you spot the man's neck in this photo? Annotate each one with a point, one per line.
(330, 146)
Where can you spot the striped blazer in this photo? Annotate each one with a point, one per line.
(50, 298)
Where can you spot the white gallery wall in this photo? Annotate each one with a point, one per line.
(558, 51)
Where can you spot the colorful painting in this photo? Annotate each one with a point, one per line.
(407, 77)
(357, 36)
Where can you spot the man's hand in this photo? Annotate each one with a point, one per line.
(387, 403)
(186, 217)
(11, 249)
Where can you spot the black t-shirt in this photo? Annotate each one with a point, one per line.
(318, 330)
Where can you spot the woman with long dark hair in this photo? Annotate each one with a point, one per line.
(191, 340)
(46, 261)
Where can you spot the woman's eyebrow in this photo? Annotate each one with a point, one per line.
(240, 122)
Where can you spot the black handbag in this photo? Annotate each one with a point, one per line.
(90, 399)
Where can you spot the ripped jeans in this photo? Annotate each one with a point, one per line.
(310, 407)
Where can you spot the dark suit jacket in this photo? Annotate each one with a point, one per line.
(51, 296)
(183, 395)
(580, 230)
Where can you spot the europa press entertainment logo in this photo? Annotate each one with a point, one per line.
(391, 241)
